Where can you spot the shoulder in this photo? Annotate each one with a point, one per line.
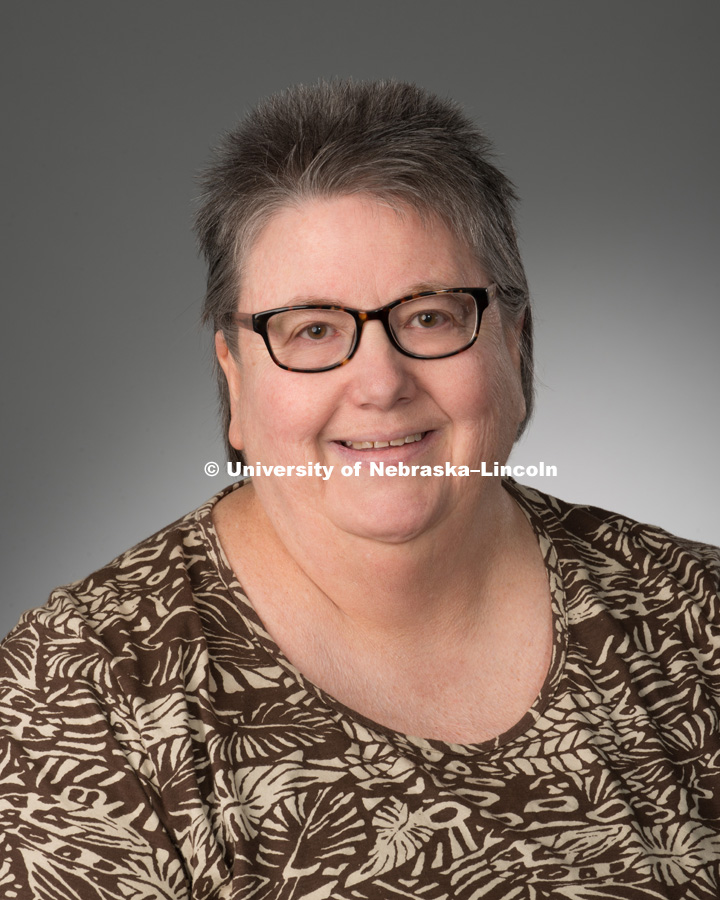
(630, 570)
(150, 582)
(123, 632)
(90, 685)
(642, 612)
(619, 540)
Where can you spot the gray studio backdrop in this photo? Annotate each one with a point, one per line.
(604, 114)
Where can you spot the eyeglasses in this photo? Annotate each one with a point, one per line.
(321, 336)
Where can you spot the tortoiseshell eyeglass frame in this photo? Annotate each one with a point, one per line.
(258, 322)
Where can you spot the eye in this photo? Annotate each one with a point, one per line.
(316, 332)
(430, 319)
(310, 326)
(439, 312)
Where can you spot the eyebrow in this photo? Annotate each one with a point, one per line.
(416, 288)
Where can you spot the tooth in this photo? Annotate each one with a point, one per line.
(377, 445)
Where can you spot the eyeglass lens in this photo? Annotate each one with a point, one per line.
(431, 326)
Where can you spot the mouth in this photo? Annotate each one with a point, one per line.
(379, 445)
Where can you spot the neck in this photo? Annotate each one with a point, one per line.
(438, 586)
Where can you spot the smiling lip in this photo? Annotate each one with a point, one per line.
(404, 447)
(378, 445)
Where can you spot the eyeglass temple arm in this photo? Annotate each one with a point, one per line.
(244, 320)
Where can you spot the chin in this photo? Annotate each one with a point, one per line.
(390, 519)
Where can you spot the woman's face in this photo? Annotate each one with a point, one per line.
(355, 251)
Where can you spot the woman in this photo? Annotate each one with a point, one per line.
(338, 683)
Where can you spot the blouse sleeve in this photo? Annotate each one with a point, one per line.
(79, 816)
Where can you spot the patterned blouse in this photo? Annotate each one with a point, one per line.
(155, 743)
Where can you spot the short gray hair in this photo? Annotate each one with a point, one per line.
(391, 140)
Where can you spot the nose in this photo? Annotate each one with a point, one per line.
(380, 375)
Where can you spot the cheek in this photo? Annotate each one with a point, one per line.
(283, 412)
(490, 400)
(507, 388)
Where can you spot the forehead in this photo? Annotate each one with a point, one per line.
(353, 249)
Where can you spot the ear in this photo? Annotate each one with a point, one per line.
(231, 368)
